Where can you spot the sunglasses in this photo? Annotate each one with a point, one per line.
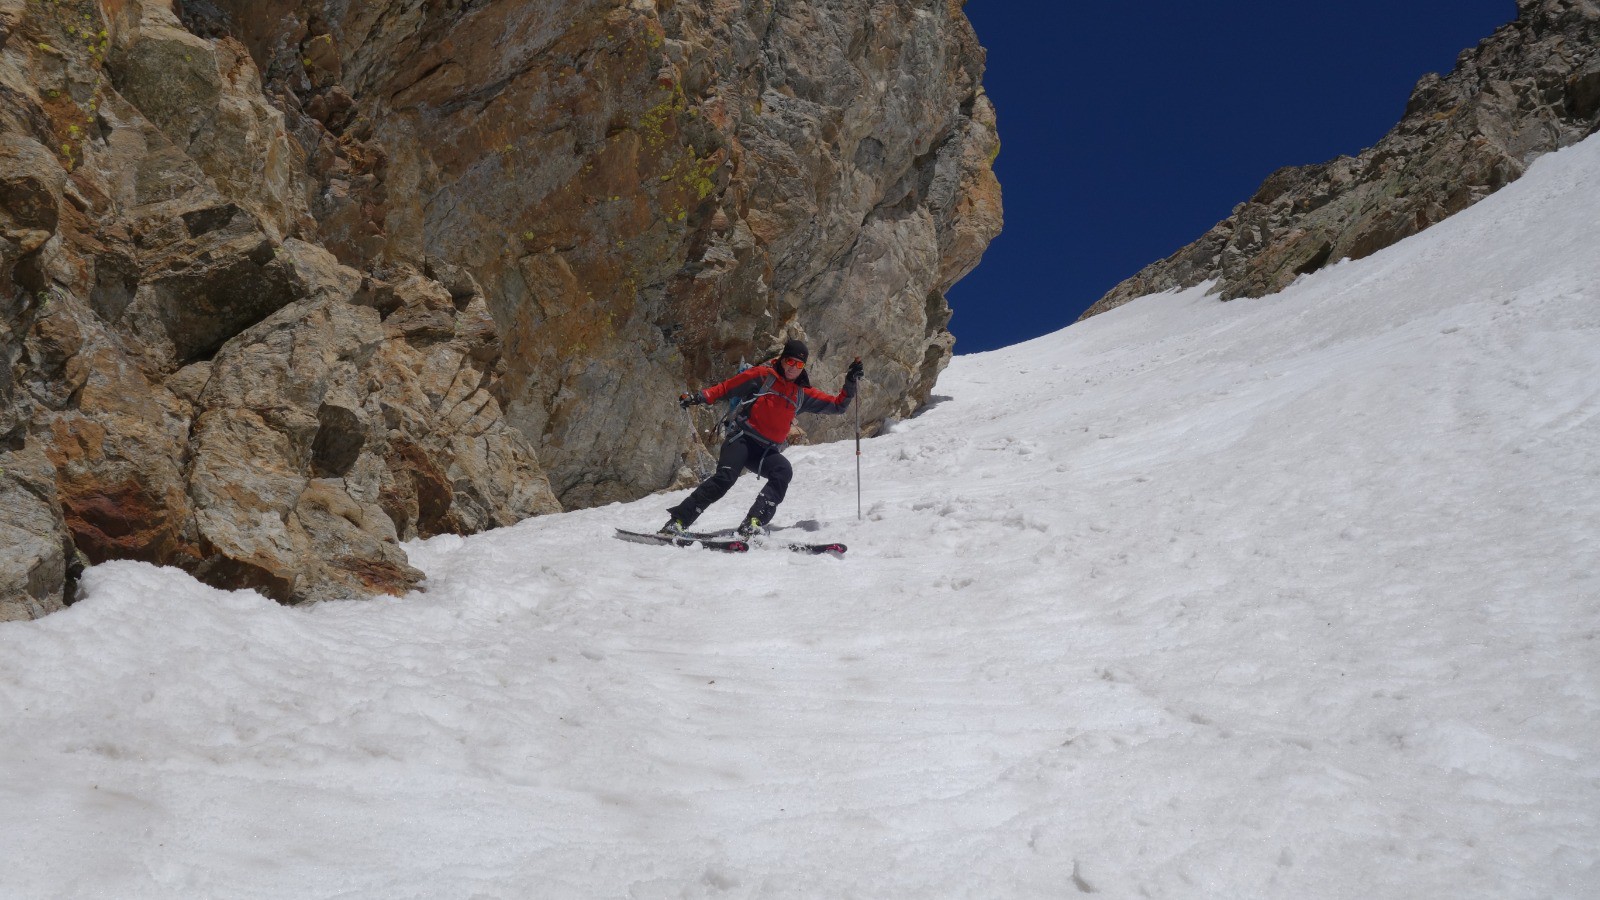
(793, 363)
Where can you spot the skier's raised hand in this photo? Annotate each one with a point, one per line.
(854, 372)
(687, 400)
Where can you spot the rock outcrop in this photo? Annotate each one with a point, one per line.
(285, 283)
(187, 380)
(649, 191)
(1531, 88)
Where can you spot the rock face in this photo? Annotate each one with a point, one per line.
(1531, 88)
(187, 380)
(650, 191)
(284, 283)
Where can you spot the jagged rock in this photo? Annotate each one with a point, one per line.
(422, 311)
(197, 295)
(265, 503)
(648, 192)
(11, 13)
(117, 443)
(333, 429)
(31, 186)
(1530, 88)
(206, 97)
(453, 464)
(183, 384)
(263, 328)
(34, 564)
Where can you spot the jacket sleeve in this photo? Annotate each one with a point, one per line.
(815, 401)
(719, 391)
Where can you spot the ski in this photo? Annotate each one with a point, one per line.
(726, 545)
(832, 548)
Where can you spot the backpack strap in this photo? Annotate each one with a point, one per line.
(738, 414)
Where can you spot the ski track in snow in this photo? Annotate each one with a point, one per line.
(1291, 597)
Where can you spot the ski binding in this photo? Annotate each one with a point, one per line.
(687, 539)
(832, 548)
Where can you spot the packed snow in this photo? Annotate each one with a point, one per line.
(1292, 597)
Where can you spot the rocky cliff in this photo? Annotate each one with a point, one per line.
(1530, 88)
(285, 283)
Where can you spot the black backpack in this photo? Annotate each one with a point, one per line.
(738, 403)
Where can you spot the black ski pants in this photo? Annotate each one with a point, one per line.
(738, 454)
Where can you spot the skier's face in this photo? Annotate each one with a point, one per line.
(791, 367)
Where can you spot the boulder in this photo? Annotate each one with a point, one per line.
(260, 519)
(345, 423)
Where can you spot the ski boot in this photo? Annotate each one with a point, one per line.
(750, 527)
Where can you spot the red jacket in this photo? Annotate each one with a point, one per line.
(777, 400)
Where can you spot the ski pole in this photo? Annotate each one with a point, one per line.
(858, 461)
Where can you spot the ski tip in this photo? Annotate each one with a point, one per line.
(835, 550)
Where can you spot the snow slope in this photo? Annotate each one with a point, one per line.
(1293, 597)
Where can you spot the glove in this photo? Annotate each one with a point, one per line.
(687, 400)
(854, 372)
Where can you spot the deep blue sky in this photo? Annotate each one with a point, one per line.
(1128, 129)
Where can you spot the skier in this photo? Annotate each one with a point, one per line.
(767, 398)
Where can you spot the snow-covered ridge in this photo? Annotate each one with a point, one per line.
(1292, 597)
